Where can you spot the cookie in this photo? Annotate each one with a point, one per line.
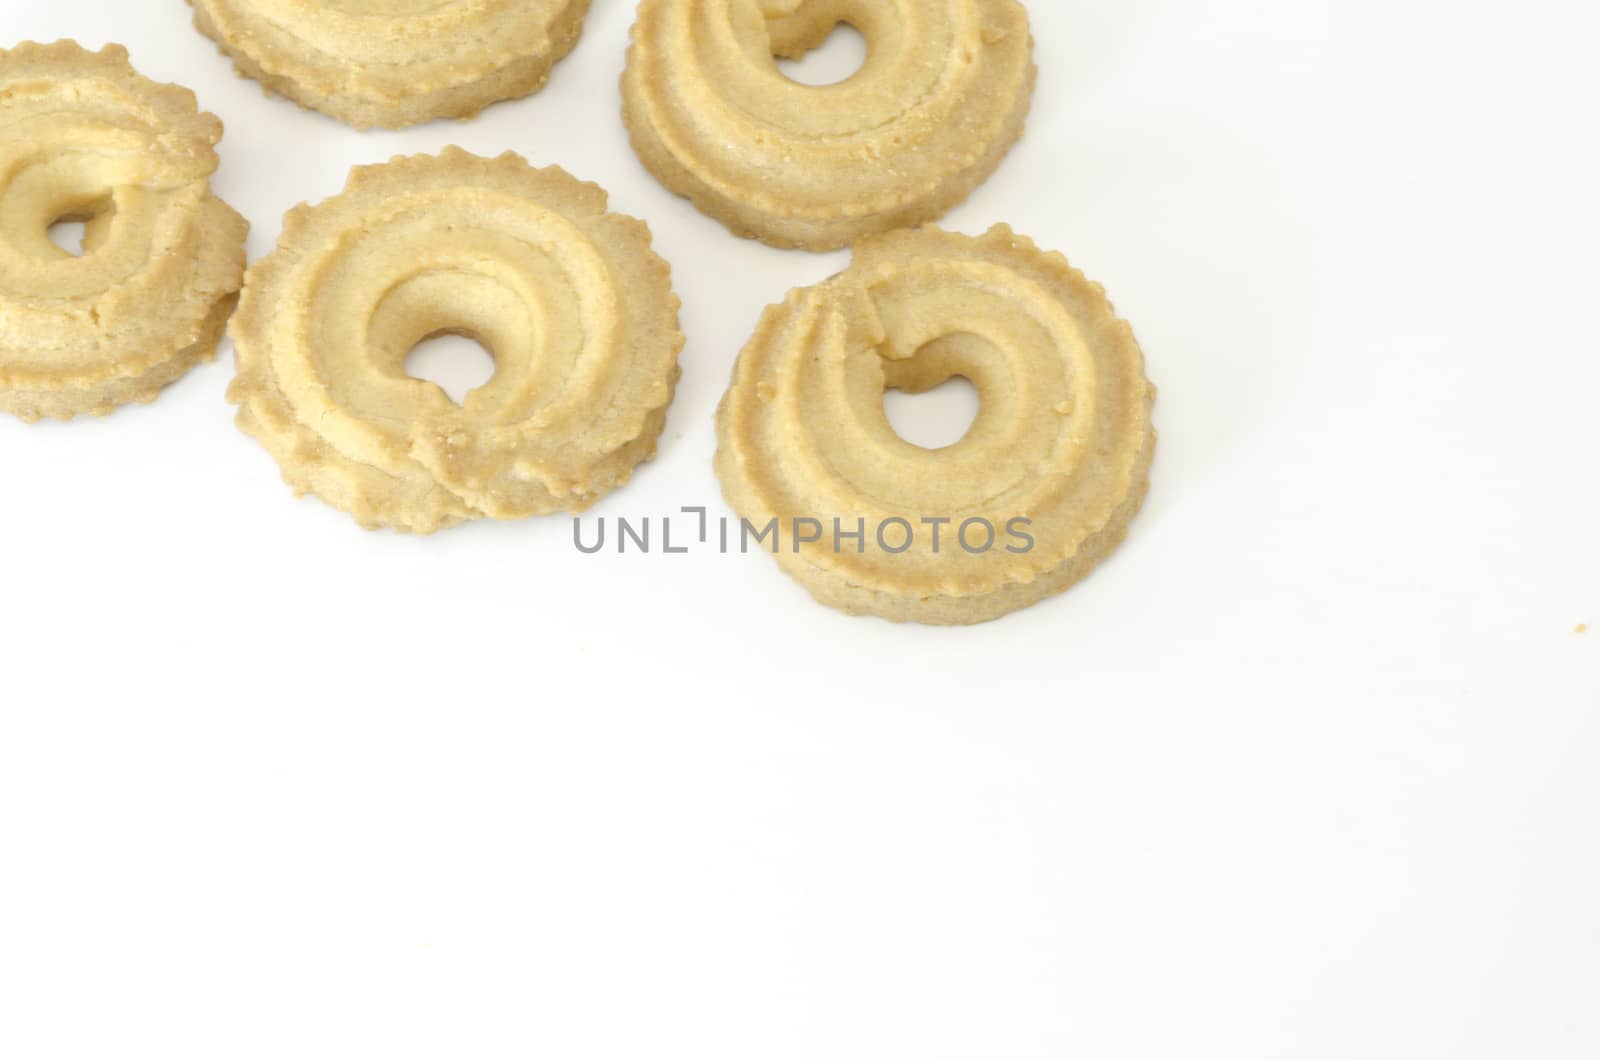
(1039, 491)
(575, 307)
(84, 137)
(394, 63)
(942, 98)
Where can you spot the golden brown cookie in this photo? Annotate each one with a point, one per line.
(84, 137)
(393, 63)
(1042, 487)
(575, 307)
(942, 98)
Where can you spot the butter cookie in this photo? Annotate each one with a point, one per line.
(1041, 488)
(85, 138)
(394, 63)
(576, 309)
(942, 98)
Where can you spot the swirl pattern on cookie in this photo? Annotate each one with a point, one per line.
(394, 63)
(571, 301)
(1041, 488)
(83, 137)
(942, 98)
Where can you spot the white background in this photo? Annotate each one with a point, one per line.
(1308, 770)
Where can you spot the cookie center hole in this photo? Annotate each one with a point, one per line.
(457, 364)
(79, 223)
(837, 58)
(68, 235)
(936, 418)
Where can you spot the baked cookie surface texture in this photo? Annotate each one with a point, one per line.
(943, 96)
(394, 63)
(85, 138)
(1041, 488)
(576, 309)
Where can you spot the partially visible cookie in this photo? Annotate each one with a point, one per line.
(84, 137)
(942, 98)
(571, 301)
(394, 63)
(1040, 490)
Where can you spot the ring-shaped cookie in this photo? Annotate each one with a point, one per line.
(942, 98)
(84, 137)
(1041, 488)
(571, 301)
(394, 63)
